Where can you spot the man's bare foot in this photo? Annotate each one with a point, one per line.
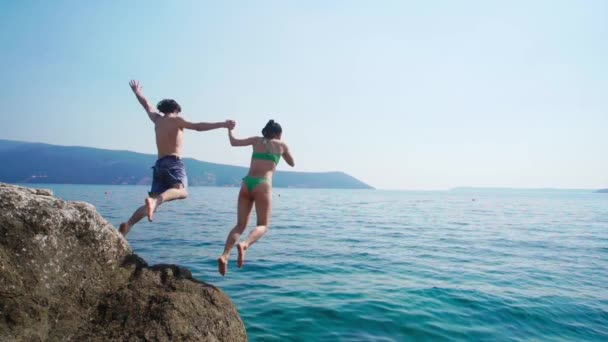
(150, 207)
(222, 265)
(124, 228)
(241, 247)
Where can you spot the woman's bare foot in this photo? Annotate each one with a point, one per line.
(241, 247)
(124, 228)
(222, 265)
(150, 207)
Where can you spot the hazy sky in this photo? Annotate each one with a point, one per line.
(402, 95)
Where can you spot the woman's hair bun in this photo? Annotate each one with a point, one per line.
(271, 129)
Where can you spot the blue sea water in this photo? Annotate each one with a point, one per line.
(361, 265)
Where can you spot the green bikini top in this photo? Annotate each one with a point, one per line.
(274, 157)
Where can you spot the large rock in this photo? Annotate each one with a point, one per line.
(66, 274)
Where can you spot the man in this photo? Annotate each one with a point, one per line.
(169, 175)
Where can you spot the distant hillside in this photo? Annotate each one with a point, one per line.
(602, 191)
(24, 162)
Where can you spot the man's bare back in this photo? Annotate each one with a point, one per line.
(169, 135)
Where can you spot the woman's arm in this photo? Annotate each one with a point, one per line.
(240, 142)
(287, 156)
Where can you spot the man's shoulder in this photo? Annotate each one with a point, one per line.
(174, 118)
(171, 119)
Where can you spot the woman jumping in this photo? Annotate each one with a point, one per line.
(256, 187)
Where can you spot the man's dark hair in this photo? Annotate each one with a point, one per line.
(272, 130)
(168, 106)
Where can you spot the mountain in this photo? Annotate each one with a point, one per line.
(25, 162)
(602, 191)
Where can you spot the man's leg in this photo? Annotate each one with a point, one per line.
(178, 191)
(125, 227)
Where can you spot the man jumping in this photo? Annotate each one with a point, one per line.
(169, 180)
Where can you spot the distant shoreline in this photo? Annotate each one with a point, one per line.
(36, 185)
(453, 190)
(464, 189)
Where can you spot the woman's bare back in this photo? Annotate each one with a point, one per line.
(265, 168)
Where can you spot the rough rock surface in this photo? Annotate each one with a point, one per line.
(66, 274)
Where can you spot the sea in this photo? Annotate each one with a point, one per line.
(371, 265)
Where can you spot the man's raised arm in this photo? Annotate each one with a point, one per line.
(152, 114)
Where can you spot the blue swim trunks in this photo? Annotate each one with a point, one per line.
(168, 171)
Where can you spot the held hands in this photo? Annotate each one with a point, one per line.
(229, 124)
(135, 86)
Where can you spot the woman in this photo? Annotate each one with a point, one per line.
(256, 188)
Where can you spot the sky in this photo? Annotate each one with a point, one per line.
(399, 94)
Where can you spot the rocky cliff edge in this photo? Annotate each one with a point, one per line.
(67, 274)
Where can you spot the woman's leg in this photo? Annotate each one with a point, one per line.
(262, 195)
(245, 203)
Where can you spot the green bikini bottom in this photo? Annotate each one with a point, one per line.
(252, 182)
